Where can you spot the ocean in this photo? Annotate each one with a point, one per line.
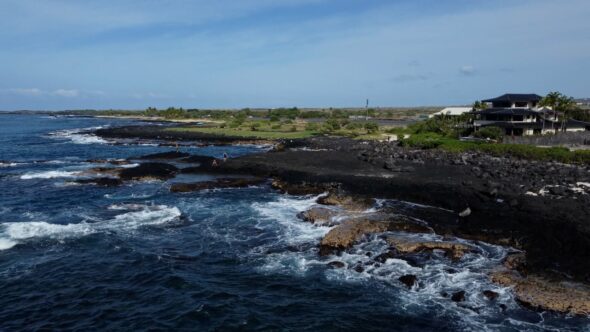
(137, 257)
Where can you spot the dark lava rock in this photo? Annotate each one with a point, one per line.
(458, 296)
(219, 183)
(491, 295)
(385, 256)
(165, 156)
(408, 280)
(159, 171)
(198, 159)
(359, 269)
(336, 265)
(302, 188)
(103, 182)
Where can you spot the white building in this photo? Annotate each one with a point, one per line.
(452, 111)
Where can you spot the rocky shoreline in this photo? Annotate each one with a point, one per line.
(541, 209)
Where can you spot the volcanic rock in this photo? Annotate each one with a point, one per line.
(353, 229)
(350, 203)
(491, 295)
(165, 156)
(146, 171)
(455, 250)
(542, 294)
(408, 280)
(103, 182)
(302, 188)
(458, 296)
(318, 215)
(336, 264)
(219, 183)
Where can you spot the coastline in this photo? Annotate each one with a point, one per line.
(538, 208)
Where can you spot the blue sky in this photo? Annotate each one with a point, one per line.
(70, 54)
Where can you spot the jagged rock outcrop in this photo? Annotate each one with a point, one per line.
(542, 294)
(149, 171)
(219, 183)
(454, 250)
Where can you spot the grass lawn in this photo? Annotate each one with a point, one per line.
(247, 133)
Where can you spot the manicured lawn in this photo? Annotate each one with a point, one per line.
(247, 133)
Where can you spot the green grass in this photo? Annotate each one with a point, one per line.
(248, 133)
(559, 154)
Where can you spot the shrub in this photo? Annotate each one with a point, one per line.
(494, 133)
(353, 126)
(276, 126)
(255, 125)
(311, 126)
(274, 118)
(332, 124)
(293, 129)
(371, 127)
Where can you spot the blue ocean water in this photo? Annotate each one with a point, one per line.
(138, 257)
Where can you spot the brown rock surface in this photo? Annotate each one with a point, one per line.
(539, 293)
(318, 215)
(353, 229)
(347, 202)
(455, 250)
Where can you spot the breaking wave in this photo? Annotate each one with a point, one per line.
(49, 175)
(79, 136)
(12, 233)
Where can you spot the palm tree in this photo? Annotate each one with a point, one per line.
(565, 104)
(551, 100)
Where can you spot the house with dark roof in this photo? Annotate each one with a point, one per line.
(520, 114)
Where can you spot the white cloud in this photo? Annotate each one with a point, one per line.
(467, 70)
(24, 91)
(66, 93)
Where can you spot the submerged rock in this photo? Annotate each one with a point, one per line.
(408, 280)
(336, 265)
(219, 183)
(491, 295)
(146, 171)
(542, 294)
(455, 250)
(103, 182)
(458, 296)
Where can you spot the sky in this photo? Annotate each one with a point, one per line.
(133, 54)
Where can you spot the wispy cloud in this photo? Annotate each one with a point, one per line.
(62, 93)
(467, 70)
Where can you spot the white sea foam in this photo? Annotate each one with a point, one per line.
(49, 175)
(77, 136)
(6, 164)
(284, 211)
(12, 233)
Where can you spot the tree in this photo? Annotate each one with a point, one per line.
(478, 105)
(558, 102)
(550, 100)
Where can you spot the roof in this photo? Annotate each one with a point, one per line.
(507, 111)
(453, 111)
(515, 97)
(571, 123)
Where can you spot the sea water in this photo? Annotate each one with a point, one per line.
(138, 257)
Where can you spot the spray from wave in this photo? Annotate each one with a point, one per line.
(13, 233)
(79, 136)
